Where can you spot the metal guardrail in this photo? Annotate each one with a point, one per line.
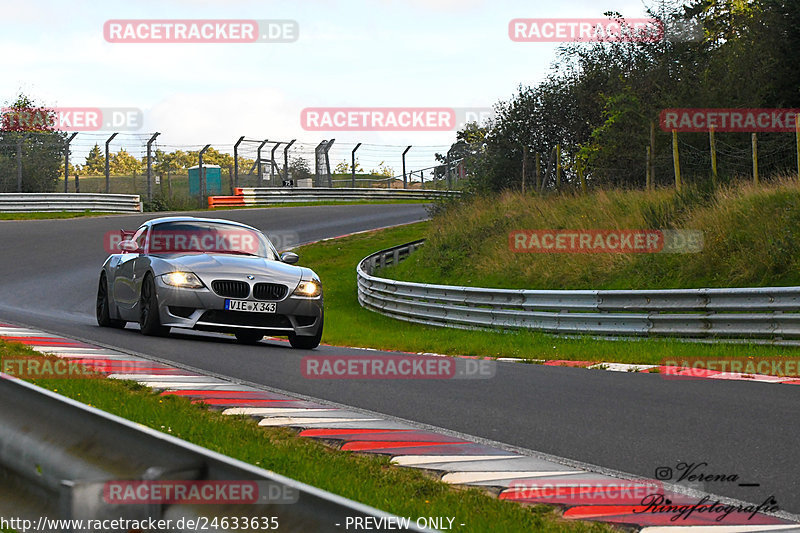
(38, 202)
(59, 454)
(764, 312)
(254, 196)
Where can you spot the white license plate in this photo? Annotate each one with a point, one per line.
(253, 307)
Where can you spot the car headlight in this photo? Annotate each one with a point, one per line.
(308, 288)
(186, 280)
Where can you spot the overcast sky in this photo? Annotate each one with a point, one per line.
(386, 53)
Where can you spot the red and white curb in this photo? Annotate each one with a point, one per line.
(582, 494)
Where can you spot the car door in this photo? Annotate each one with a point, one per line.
(125, 289)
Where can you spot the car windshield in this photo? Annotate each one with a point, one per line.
(208, 238)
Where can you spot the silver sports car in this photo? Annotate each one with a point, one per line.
(211, 275)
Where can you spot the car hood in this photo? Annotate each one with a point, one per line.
(225, 266)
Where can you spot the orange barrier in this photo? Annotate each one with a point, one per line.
(224, 201)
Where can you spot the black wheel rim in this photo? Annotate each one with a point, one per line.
(101, 298)
(146, 299)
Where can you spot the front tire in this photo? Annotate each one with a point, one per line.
(103, 308)
(149, 321)
(307, 343)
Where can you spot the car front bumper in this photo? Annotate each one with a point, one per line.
(203, 309)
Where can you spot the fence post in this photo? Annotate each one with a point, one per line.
(317, 171)
(754, 138)
(713, 144)
(258, 155)
(272, 164)
(797, 139)
(169, 184)
(405, 177)
(328, 161)
(19, 164)
(558, 166)
(286, 160)
(202, 174)
(150, 166)
(230, 178)
(77, 183)
(647, 177)
(66, 162)
(353, 166)
(447, 170)
(653, 154)
(676, 163)
(108, 156)
(236, 162)
(538, 172)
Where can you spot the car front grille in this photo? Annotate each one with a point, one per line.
(231, 289)
(269, 291)
(240, 318)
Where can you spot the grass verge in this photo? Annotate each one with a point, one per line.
(348, 324)
(365, 478)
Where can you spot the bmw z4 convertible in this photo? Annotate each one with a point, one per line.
(209, 275)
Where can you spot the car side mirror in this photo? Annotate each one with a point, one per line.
(290, 258)
(128, 246)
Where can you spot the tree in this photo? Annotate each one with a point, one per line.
(29, 127)
(123, 163)
(95, 164)
(299, 168)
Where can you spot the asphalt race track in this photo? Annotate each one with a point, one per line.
(631, 422)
